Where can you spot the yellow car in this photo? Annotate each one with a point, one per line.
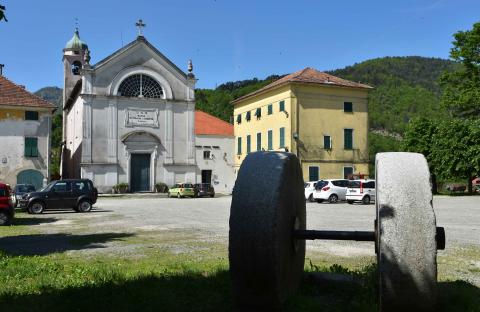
(181, 190)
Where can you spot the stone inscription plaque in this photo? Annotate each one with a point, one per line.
(141, 117)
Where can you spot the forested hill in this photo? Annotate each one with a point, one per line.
(53, 95)
(405, 87)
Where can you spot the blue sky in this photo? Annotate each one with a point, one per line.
(230, 40)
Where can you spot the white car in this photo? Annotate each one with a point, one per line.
(361, 191)
(332, 190)
(309, 189)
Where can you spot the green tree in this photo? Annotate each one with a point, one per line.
(378, 143)
(461, 88)
(456, 149)
(418, 139)
(2, 13)
(56, 146)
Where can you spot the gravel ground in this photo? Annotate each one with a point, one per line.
(206, 219)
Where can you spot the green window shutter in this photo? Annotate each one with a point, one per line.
(282, 137)
(313, 173)
(239, 118)
(270, 109)
(258, 112)
(348, 138)
(239, 146)
(282, 106)
(31, 115)
(248, 144)
(247, 116)
(347, 107)
(270, 139)
(259, 141)
(327, 142)
(31, 147)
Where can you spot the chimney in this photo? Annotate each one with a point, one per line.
(1, 69)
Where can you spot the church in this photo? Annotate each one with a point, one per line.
(130, 118)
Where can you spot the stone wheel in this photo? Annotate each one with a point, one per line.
(406, 240)
(266, 263)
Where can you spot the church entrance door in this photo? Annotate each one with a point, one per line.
(140, 173)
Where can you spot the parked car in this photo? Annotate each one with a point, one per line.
(361, 191)
(7, 211)
(204, 189)
(309, 189)
(78, 194)
(456, 187)
(182, 190)
(332, 190)
(20, 190)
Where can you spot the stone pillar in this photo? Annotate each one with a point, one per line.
(168, 159)
(87, 130)
(112, 131)
(191, 133)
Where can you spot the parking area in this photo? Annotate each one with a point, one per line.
(206, 219)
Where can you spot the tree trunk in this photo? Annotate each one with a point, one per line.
(469, 183)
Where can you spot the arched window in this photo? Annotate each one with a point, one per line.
(140, 85)
(76, 66)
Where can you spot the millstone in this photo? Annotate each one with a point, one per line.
(406, 233)
(266, 262)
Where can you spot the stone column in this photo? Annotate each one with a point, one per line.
(87, 130)
(168, 159)
(112, 131)
(191, 133)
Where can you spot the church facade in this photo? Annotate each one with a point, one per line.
(130, 118)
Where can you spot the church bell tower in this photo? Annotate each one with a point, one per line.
(73, 60)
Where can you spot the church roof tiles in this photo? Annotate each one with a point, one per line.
(210, 125)
(12, 94)
(307, 76)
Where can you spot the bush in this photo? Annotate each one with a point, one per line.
(120, 188)
(161, 187)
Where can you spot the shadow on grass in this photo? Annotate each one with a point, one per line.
(196, 291)
(32, 221)
(69, 210)
(186, 292)
(44, 244)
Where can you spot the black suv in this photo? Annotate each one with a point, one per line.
(204, 189)
(79, 194)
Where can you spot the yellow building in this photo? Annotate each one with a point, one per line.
(321, 118)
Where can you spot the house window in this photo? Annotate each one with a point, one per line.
(259, 141)
(239, 146)
(206, 154)
(282, 106)
(348, 138)
(313, 173)
(31, 115)
(31, 147)
(347, 172)
(239, 118)
(347, 107)
(258, 113)
(247, 117)
(270, 109)
(270, 140)
(248, 143)
(327, 142)
(282, 137)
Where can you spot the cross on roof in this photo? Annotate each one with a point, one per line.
(140, 25)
